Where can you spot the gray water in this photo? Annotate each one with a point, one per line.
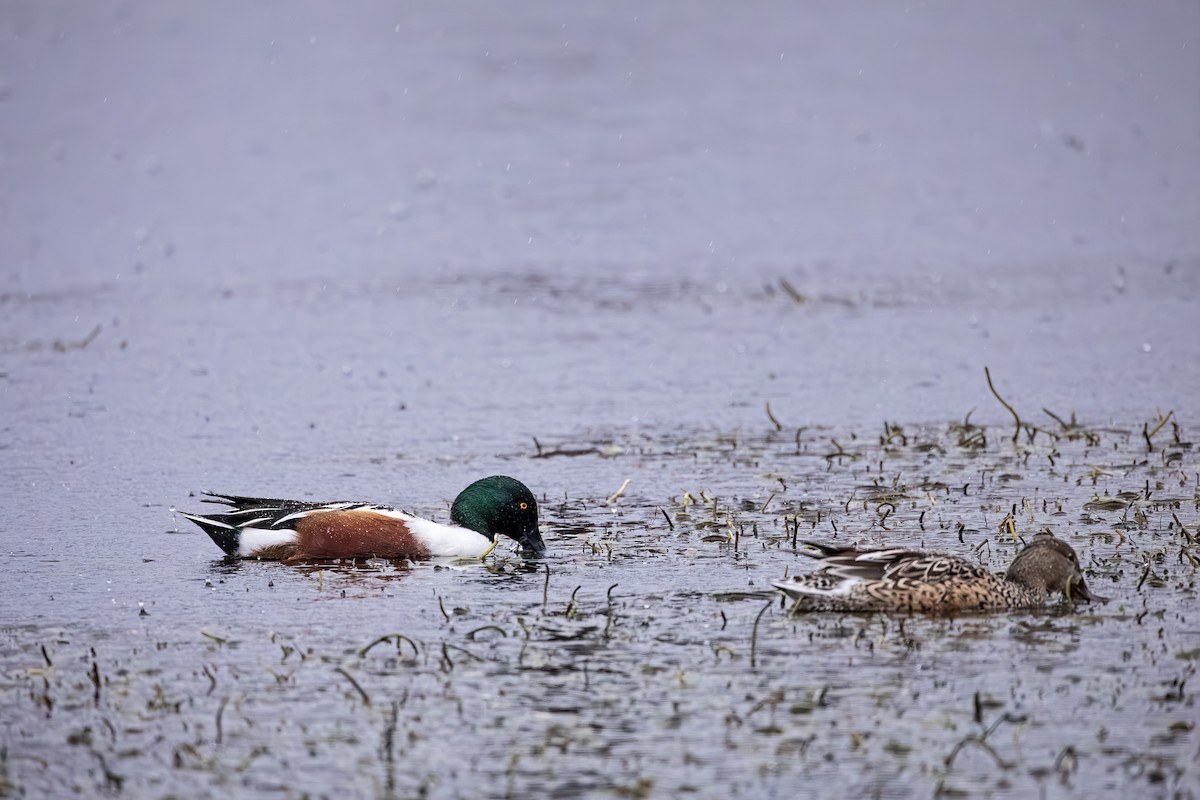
(294, 250)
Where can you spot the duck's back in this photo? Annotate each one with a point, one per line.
(900, 580)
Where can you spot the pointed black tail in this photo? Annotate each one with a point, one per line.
(225, 536)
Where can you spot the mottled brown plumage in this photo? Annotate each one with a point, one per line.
(916, 581)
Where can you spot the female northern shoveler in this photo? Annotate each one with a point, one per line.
(915, 581)
(296, 530)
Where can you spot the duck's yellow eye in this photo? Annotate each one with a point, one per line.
(524, 506)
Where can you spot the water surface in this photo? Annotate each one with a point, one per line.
(298, 252)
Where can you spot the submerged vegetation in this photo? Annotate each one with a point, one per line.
(648, 655)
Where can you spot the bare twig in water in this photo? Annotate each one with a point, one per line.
(211, 677)
(1011, 410)
(1145, 574)
(399, 637)
(366, 698)
(792, 293)
(771, 417)
(1008, 525)
(841, 453)
(754, 635)
(1161, 422)
(446, 647)
(667, 517)
(220, 711)
(61, 347)
(389, 746)
(563, 451)
(1064, 425)
(1191, 539)
(571, 605)
(443, 608)
(497, 628)
(982, 745)
(1148, 434)
(980, 740)
(617, 494)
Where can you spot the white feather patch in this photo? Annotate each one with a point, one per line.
(251, 540)
(206, 521)
(445, 540)
(799, 586)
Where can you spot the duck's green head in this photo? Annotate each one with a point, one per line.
(500, 505)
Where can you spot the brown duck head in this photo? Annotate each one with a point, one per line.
(1050, 565)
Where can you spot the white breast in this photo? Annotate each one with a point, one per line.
(446, 540)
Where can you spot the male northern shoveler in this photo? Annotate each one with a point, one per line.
(297, 530)
(916, 581)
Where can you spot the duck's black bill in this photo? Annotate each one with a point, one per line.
(532, 544)
(1079, 591)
